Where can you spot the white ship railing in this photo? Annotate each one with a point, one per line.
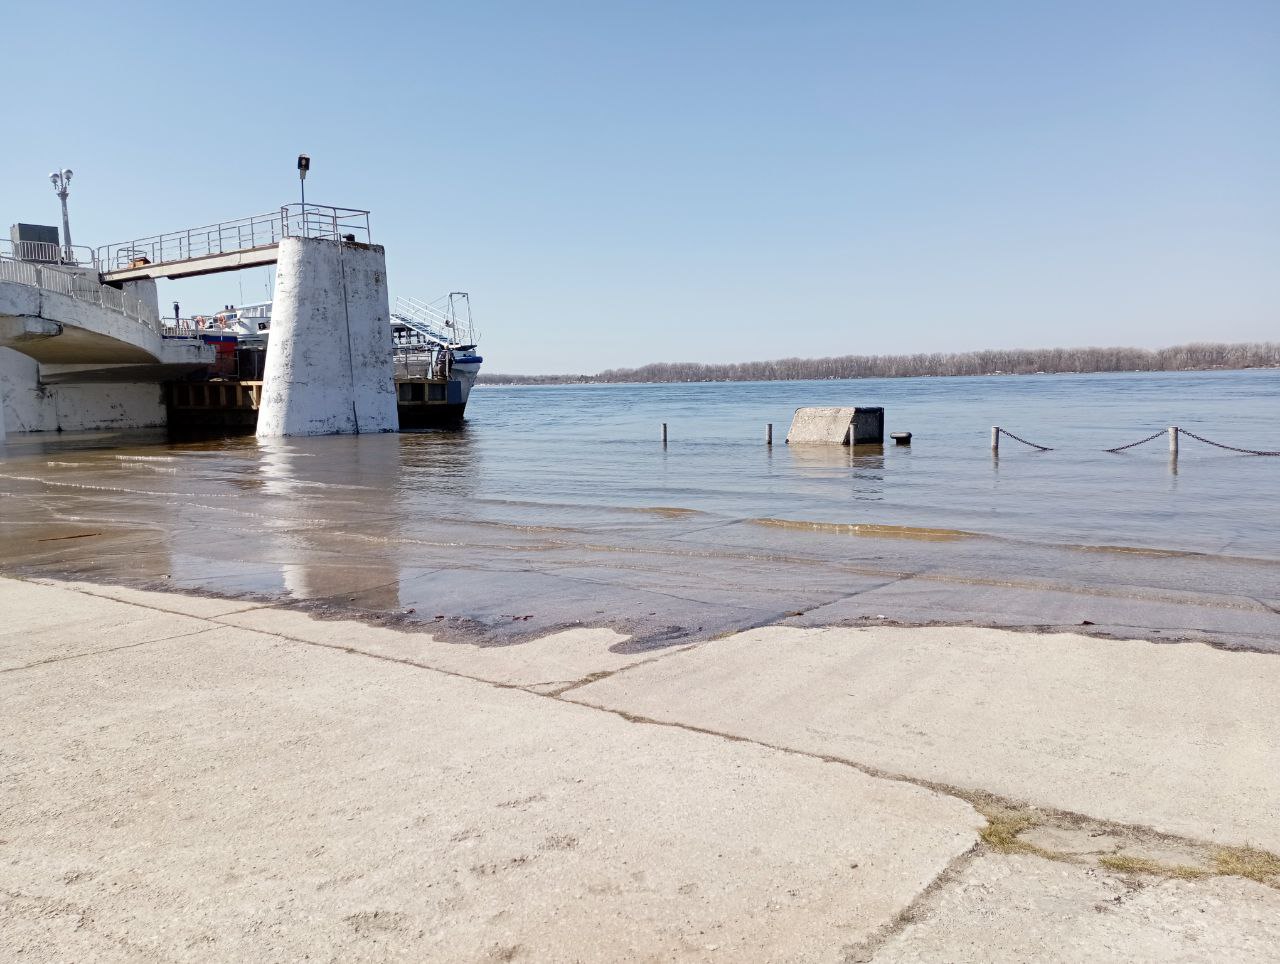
(442, 324)
(79, 285)
(240, 234)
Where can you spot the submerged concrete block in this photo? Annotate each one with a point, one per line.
(837, 426)
(328, 368)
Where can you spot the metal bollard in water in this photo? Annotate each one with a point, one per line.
(664, 434)
(768, 433)
(995, 439)
(1173, 440)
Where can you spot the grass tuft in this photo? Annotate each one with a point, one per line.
(1130, 864)
(1003, 827)
(1248, 862)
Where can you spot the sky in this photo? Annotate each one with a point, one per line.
(620, 183)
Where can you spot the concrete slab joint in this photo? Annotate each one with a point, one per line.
(329, 369)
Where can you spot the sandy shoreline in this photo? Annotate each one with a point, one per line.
(191, 778)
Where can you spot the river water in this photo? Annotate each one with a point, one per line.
(582, 447)
(566, 494)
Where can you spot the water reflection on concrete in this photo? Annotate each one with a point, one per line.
(315, 491)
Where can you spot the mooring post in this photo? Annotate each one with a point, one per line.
(1173, 440)
(664, 434)
(768, 433)
(995, 439)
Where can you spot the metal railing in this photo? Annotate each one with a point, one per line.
(241, 234)
(47, 252)
(322, 221)
(440, 319)
(81, 286)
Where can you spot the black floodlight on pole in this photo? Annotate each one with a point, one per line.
(304, 165)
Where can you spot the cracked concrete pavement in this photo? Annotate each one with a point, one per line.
(187, 778)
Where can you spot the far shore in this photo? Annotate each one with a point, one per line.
(534, 381)
(1200, 357)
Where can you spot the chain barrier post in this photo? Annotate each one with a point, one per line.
(1173, 441)
(995, 440)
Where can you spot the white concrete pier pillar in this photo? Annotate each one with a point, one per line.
(328, 367)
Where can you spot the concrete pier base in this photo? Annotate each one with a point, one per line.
(29, 403)
(837, 426)
(328, 369)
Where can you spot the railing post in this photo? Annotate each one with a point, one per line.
(995, 439)
(1173, 440)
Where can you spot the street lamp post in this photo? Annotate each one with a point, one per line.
(62, 187)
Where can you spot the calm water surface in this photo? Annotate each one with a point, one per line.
(577, 458)
(598, 446)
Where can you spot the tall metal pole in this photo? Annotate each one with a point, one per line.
(62, 185)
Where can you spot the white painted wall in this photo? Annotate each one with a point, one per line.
(329, 367)
(144, 290)
(28, 406)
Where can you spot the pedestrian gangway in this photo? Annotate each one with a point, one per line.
(228, 245)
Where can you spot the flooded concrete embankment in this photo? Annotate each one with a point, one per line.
(429, 530)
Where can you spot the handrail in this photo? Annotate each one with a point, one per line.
(49, 252)
(240, 234)
(81, 286)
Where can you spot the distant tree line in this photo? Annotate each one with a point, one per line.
(1198, 356)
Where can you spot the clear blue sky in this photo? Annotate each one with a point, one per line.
(617, 183)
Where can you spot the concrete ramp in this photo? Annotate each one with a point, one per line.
(837, 426)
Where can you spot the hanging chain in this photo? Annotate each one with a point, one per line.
(1142, 441)
(1042, 448)
(1150, 438)
(1229, 448)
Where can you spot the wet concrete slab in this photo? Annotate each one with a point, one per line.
(1006, 909)
(324, 523)
(1223, 620)
(1176, 738)
(203, 607)
(549, 662)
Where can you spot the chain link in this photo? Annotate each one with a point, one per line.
(1229, 448)
(1042, 448)
(1141, 441)
(1150, 438)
